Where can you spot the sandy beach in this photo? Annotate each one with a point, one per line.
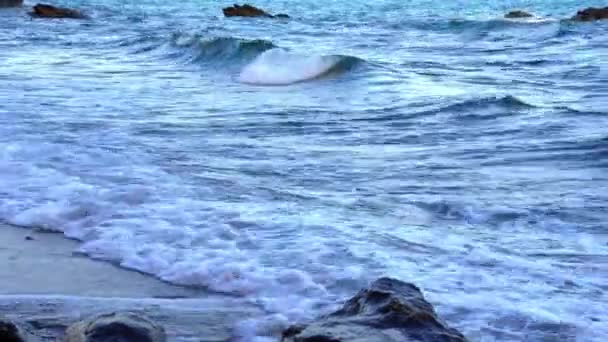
(39, 263)
(49, 286)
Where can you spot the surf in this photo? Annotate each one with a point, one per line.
(280, 67)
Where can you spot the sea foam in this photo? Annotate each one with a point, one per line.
(280, 67)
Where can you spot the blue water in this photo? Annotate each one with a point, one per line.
(289, 162)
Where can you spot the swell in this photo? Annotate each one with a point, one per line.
(505, 102)
(546, 31)
(199, 49)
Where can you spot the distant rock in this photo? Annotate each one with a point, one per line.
(48, 11)
(591, 14)
(10, 3)
(10, 332)
(116, 327)
(517, 14)
(247, 10)
(388, 311)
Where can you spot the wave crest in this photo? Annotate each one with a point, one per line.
(199, 48)
(281, 67)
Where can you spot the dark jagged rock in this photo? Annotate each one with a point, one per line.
(244, 11)
(10, 3)
(518, 14)
(247, 10)
(10, 332)
(116, 327)
(48, 11)
(389, 310)
(591, 14)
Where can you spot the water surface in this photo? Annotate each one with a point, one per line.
(289, 162)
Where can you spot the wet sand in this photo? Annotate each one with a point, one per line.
(48, 286)
(47, 263)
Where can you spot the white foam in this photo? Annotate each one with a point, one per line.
(280, 67)
(532, 20)
(154, 223)
(288, 261)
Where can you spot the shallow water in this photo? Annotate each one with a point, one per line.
(433, 142)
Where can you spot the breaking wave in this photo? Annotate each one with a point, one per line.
(281, 67)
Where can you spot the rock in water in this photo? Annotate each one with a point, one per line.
(244, 11)
(591, 14)
(116, 327)
(247, 10)
(518, 14)
(9, 331)
(48, 11)
(389, 310)
(10, 3)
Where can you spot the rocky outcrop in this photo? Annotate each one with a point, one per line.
(10, 3)
(116, 327)
(48, 11)
(247, 10)
(591, 14)
(10, 332)
(389, 310)
(518, 14)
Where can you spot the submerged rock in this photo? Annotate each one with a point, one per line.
(247, 10)
(116, 327)
(10, 332)
(389, 310)
(48, 11)
(10, 3)
(518, 14)
(591, 14)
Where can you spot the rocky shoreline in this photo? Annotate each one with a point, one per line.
(387, 310)
(249, 11)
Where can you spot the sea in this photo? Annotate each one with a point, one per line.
(289, 162)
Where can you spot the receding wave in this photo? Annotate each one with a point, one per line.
(280, 67)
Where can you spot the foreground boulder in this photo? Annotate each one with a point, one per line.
(48, 11)
(591, 14)
(10, 3)
(517, 14)
(116, 327)
(247, 10)
(389, 310)
(10, 332)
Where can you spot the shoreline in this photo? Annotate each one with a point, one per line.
(49, 286)
(46, 263)
(46, 317)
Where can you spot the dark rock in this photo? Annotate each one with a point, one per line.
(247, 10)
(9, 331)
(518, 14)
(116, 327)
(29, 238)
(389, 310)
(281, 16)
(10, 3)
(591, 14)
(48, 11)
